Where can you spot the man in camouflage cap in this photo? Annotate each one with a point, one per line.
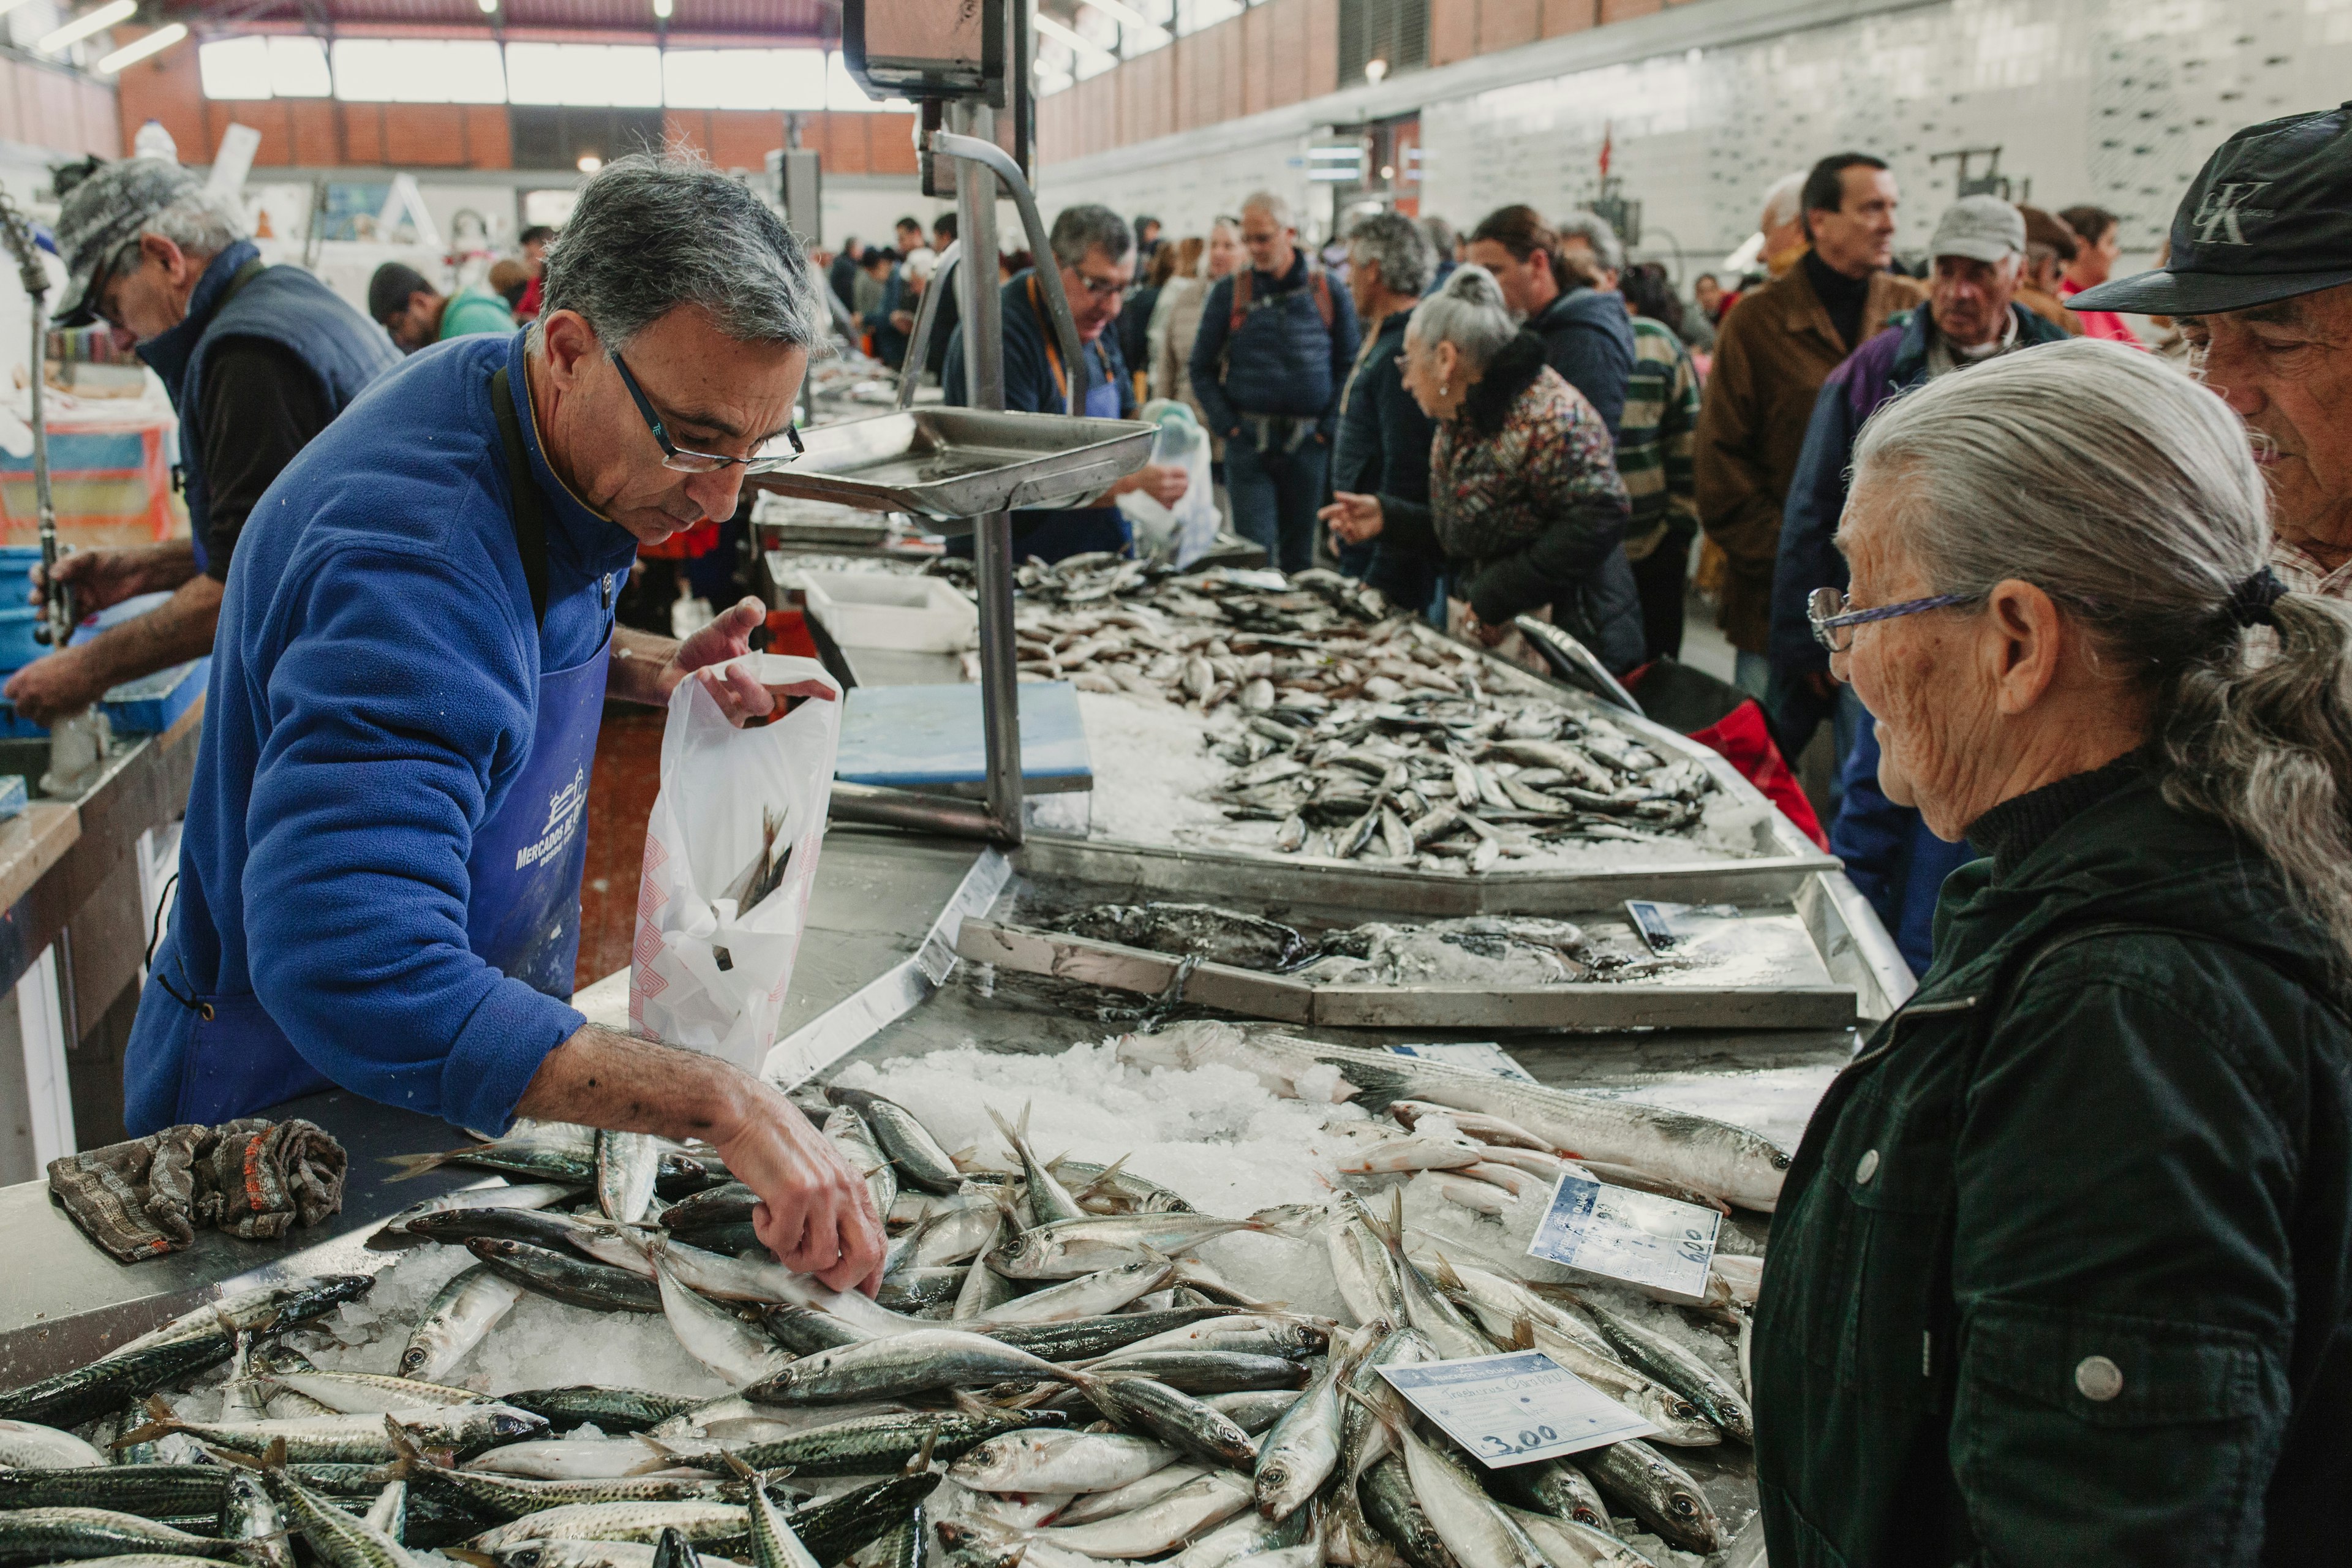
(256, 358)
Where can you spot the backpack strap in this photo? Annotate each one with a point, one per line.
(1320, 282)
(1241, 301)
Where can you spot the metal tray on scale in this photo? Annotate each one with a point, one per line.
(951, 464)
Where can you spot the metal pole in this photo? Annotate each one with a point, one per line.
(984, 369)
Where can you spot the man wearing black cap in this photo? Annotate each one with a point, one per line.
(416, 315)
(258, 359)
(2259, 280)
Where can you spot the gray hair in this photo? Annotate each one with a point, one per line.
(1594, 230)
(1089, 228)
(1440, 235)
(655, 231)
(2129, 495)
(1398, 248)
(1274, 205)
(1784, 201)
(1469, 313)
(199, 222)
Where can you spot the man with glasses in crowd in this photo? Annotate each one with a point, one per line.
(1094, 251)
(380, 872)
(257, 360)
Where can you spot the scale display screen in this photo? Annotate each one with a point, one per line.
(918, 48)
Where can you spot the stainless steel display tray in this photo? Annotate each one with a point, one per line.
(1571, 1005)
(961, 463)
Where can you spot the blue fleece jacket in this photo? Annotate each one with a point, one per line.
(1588, 337)
(1890, 855)
(1282, 361)
(373, 690)
(1891, 363)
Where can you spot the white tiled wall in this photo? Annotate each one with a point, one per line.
(2111, 101)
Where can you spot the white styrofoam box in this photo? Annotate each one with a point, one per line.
(909, 614)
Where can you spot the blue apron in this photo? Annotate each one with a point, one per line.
(522, 916)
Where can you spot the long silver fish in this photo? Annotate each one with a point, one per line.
(1049, 1201)
(1298, 1455)
(774, 1543)
(1361, 1264)
(1680, 1368)
(1152, 1529)
(847, 1132)
(570, 1458)
(1089, 1296)
(1072, 1247)
(627, 1165)
(468, 1308)
(904, 1138)
(26, 1446)
(395, 1232)
(1087, 1509)
(370, 1394)
(1054, 1459)
(1567, 1543)
(733, 1349)
(251, 1516)
(1659, 1492)
(903, 1364)
(1715, 1157)
(641, 1522)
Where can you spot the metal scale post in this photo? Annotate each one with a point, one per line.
(962, 71)
(78, 742)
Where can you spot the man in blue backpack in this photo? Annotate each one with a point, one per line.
(1276, 344)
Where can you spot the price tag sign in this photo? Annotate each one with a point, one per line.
(1480, 1055)
(1627, 1235)
(1514, 1409)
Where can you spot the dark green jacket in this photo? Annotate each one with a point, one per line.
(2063, 1269)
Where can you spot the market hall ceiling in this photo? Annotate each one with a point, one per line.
(777, 19)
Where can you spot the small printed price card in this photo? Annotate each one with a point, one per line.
(1627, 1235)
(1482, 1056)
(1516, 1409)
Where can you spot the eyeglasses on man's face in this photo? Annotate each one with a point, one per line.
(678, 458)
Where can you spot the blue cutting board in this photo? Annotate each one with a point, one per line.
(929, 737)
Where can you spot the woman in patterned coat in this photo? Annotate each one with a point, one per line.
(1524, 496)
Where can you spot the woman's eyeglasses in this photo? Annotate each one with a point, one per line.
(1833, 617)
(679, 459)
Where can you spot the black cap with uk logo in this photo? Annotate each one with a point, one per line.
(2269, 218)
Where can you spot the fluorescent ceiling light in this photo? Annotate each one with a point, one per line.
(1056, 31)
(297, 69)
(155, 43)
(82, 26)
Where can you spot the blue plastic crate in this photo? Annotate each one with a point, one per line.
(153, 703)
(18, 624)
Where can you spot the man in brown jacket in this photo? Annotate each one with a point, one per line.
(1773, 354)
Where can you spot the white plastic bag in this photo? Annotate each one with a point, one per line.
(1181, 534)
(739, 810)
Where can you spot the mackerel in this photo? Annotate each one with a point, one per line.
(1205, 1371)
(610, 1410)
(903, 1137)
(1679, 1368)
(150, 1490)
(774, 1543)
(1136, 1494)
(1076, 1339)
(1109, 1184)
(1176, 1418)
(249, 1514)
(854, 1140)
(1049, 1201)
(1089, 1296)
(1251, 1333)
(1151, 1530)
(1658, 1492)
(468, 1308)
(389, 1513)
(627, 1165)
(397, 1231)
(702, 1524)
(1365, 1268)
(903, 1364)
(1254, 1410)
(54, 1534)
(468, 1428)
(1303, 1449)
(733, 1349)
(28, 1446)
(883, 1444)
(570, 1458)
(986, 1292)
(1073, 1247)
(1393, 1511)
(599, 1287)
(1572, 1543)
(1047, 1459)
(369, 1393)
(601, 1239)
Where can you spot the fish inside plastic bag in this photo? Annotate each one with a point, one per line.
(730, 854)
(1181, 534)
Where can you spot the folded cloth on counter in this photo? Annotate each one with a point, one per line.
(251, 1178)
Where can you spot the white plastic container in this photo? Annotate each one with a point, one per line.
(907, 615)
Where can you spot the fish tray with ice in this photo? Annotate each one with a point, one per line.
(1300, 719)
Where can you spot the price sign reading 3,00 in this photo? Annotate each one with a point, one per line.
(1514, 1409)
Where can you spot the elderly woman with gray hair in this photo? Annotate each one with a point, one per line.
(1524, 498)
(2062, 1269)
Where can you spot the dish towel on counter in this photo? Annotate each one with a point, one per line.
(251, 1178)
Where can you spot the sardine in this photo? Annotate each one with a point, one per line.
(395, 1232)
(1049, 1200)
(1059, 1461)
(909, 1145)
(1679, 1368)
(1087, 1509)
(598, 1287)
(1089, 1296)
(1152, 1529)
(1297, 1455)
(847, 1132)
(733, 1349)
(570, 1458)
(1074, 1247)
(610, 1410)
(1254, 1410)
(1175, 1418)
(1204, 1372)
